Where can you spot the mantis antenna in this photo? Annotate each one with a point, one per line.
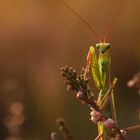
(113, 21)
(89, 25)
(82, 19)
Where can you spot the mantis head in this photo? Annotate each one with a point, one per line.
(103, 47)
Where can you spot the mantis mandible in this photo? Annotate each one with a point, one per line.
(100, 66)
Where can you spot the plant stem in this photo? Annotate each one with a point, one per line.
(131, 128)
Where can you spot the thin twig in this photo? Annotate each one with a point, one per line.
(99, 136)
(131, 128)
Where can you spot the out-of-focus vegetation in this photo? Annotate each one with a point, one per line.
(37, 38)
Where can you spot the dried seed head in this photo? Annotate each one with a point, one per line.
(63, 126)
(95, 116)
(109, 123)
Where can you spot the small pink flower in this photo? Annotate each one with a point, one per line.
(109, 123)
(79, 94)
(95, 116)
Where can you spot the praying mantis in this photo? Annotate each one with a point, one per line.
(98, 60)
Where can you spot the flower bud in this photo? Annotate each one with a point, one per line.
(124, 134)
(79, 94)
(53, 136)
(109, 123)
(95, 116)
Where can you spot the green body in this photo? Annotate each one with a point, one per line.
(103, 62)
(100, 65)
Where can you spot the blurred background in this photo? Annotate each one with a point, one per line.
(37, 38)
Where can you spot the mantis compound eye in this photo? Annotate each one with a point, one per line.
(108, 45)
(98, 45)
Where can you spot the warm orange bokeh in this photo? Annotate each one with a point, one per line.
(38, 37)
